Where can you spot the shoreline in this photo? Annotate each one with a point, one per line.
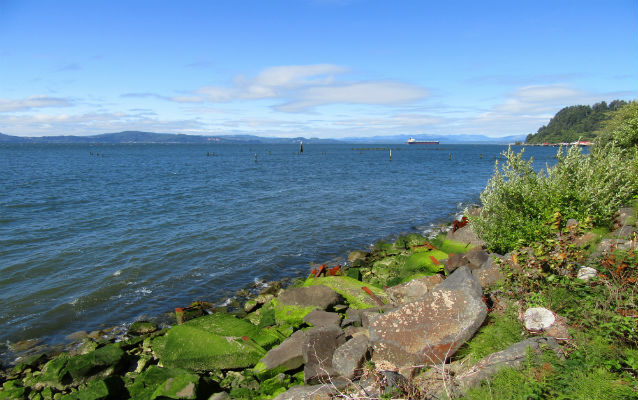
(27, 348)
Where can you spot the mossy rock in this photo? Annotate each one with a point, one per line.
(289, 314)
(110, 388)
(451, 246)
(103, 361)
(55, 374)
(13, 390)
(422, 262)
(410, 240)
(149, 381)
(194, 348)
(142, 328)
(271, 386)
(228, 325)
(350, 289)
(182, 386)
(263, 317)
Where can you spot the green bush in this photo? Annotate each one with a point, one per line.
(520, 205)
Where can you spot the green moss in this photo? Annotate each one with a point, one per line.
(422, 262)
(228, 325)
(290, 314)
(148, 381)
(194, 348)
(350, 289)
(86, 365)
(182, 386)
(450, 246)
(13, 390)
(55, 374)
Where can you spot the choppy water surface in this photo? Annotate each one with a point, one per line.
(97, 235)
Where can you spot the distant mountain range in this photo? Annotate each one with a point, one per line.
(151, 137)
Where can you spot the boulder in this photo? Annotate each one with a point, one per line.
(285, 357)
(142, 328)
(318, 348)
(308, 392)
(322, 318)
(350, 289)
(466, 235)
(431, 329)
(627, 216)
(512, 357)
(102, 362)
(292, 305)
(183, 386)
(194, 347)
(348, 358)
(624, 232)
(356, 255)
(489, 273)
(414, 289)
(473, 259)
(319, 296)
(156, 382)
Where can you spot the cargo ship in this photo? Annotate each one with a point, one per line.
(414, 141)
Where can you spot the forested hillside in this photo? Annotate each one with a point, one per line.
(576, 122)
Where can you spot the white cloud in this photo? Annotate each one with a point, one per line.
(31, 102)
(302, 87)
(380, 93)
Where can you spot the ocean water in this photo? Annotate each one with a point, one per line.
(93, 236)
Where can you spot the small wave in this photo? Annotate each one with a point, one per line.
(117, 273)
(144, 290)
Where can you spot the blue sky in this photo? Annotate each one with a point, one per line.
(313, 68)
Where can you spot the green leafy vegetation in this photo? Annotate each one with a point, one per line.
(576, 122)
(519, 204)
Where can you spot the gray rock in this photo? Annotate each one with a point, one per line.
(429, 330)
(466, 235)
(586, 273)
(353, 318)
(473, 259)
(461, 279)
(624, 232)
(318, 296)
(285, 357)
(489, 273)
(511, 357)
(318, 348)
(368, 316)
(453, 262)
(356, 256)
(220, 396)
(308, 392)
(413, 290)
(627, 216)
(350, 356)
(538, 319)
(322, 318)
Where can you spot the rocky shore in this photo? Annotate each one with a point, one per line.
(390, 323)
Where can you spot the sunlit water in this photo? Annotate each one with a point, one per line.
(93, 236)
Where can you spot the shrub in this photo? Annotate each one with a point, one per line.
(519, 204)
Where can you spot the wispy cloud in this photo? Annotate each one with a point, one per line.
(378, 93)
(300, 88)
(32, 102)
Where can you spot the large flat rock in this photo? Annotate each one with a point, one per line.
(431, 329)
